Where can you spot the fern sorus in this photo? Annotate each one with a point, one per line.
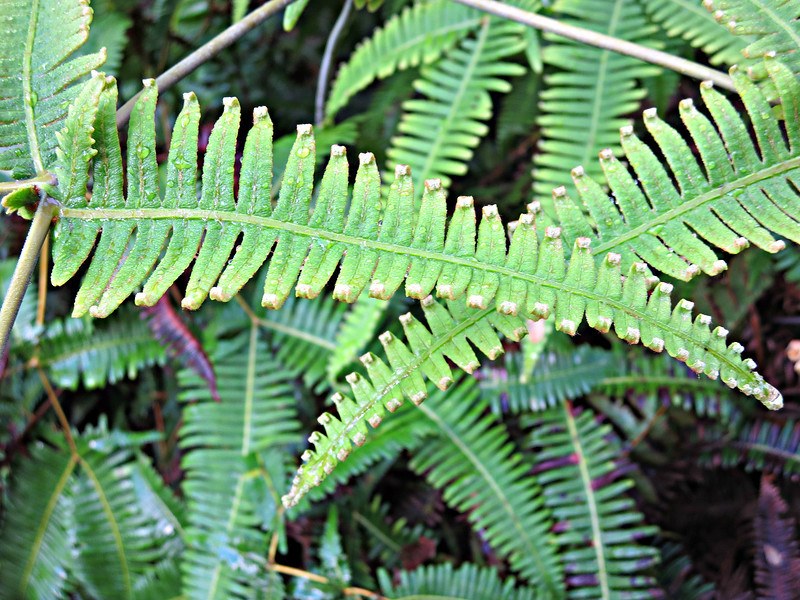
(600, 532)
(378, 249)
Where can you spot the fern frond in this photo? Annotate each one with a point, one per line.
(226, 445)
(777, 553)
(357, 330)
(762, 446)
(586, 98)
(377, 250)
(772, 24)
(738, 195)
(439, 131)
(599, 528)
(37, 77)
(36, 547)
(475, 464)
(418, 35)
(468, 582)
(691, 21)
(557, 376)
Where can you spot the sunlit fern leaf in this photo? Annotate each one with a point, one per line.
(117, 541)
(35, 543)
(557, 376)
(36, 78)
(468, 582)
(599, 530)
(776, 550)
(165, 509)
(761, 446)
(418, 35)
(377, 249)
(772, 25)
(691, 21)
(477, 467)
(227, 445)
(438, 131)
(590, 92)
(109, 30)
(738, 195)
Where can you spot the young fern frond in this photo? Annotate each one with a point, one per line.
(229, 460)
(468, 582)
(599, 527)
(37, 77)
(439, 131)
(586, 99)
(418, 35)
(739, 194)
(691, 21)
(772, 25)
(377, 250)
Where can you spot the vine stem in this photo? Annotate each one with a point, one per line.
(24, 269)
(327, 59)
(349, 591)
(599, 40)
(207, 51)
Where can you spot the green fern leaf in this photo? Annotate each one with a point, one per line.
(468, 582)
(36, 548)
(473, 461)
(738, 195)
(761, 446)
(772, 24)
(416, 36)
(599, 527)
(228, 455)
(586, 99)
(376, 249)
(357, 330)
(691, 21)
(439, 131)
(36, 78)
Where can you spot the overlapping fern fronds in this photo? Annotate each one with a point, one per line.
(233, 472)
(377, 249)
(37, 77)
(418, 35)
(586, 98)
(763, 446)
(600, 532)
(476, 465)
(691, 21)
(438, 132)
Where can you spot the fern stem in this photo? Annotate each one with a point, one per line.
(44, 269)
(593, 38)
(24, 269)
(206, 52)
(62, 417)
(348, 591)
(10, 186)
(327, 59)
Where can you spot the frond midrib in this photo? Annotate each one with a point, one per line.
(496, 488)
(471, 263)
(45, 520)
(591, 502)
(688, 205)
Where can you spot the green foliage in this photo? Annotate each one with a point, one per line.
(234, 470)
(599, 529)
(466, 583)
(587, 98)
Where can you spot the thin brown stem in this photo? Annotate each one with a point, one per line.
(206, 52)
(62, 417)
(593, 38)
(349, 591)
(28, 258)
